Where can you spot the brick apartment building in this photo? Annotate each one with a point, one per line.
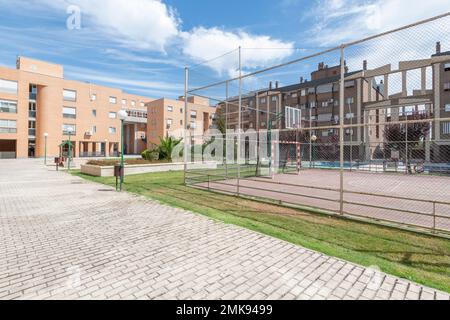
(367, 101)
(318, 100)
(166, 118)
(36, 101)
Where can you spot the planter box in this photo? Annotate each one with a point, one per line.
(108, 171)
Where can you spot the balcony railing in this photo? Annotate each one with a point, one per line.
(33, 96)
(92, 154)
(7, 155)
(8, 130)
(32, 132)
(8, 110)
(31, 114)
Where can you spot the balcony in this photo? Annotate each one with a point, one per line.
(31, 114)
(33, 96)
(32, 132)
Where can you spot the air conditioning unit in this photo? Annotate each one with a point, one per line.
(143, 137)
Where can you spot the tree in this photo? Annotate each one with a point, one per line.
(396, 135)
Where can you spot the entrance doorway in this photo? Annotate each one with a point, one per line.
(8, 149)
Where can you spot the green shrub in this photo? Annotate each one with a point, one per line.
(150, 155)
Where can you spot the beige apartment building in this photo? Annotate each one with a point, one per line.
(38, 108)
(166, 118)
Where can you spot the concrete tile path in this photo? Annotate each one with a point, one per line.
(65, 238)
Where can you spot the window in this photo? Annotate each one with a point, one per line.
(181, 110)
(262, 100)
(112, 130)
(8, 126)
(446, 127)
(303, 93)
(94, 129)
(294, 95)
(313, 118)
(312, 104)
(142, 104)
(181, 122)
(349, 115)
(169, 123)
(447, 86)
(325, 104)
(324, 133)
(70, 113)
(349, 132)
(274, 98)
(447, 107)
(133, 103)
(311, 90)
(193, 114)
(193, 125)
(93, 97)
(7, 86)
(66, 128)
(8, 106)
(113, 100)
(94, 112)
(112, 115)
(169, 108)
(349, 100)
(69, 95)
(124, 102)
(447, 67)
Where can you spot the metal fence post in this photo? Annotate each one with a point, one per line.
(434, 216)
(239, 124)
(226, 129)
(185, 151)
(341, 131)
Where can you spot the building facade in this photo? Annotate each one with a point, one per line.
(38, 109)
(166, 119)
(369, 105)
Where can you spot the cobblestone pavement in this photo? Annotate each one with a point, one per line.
(65, 238)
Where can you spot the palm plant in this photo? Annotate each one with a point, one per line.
(166, 147)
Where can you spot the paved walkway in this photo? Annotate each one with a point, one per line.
(65, 238)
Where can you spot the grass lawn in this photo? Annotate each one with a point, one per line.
(420, 258)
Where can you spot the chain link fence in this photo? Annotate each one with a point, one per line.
(361, 130)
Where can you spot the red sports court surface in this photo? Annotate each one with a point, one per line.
(427, 194)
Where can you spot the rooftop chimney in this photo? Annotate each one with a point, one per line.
(320, 67)
(301, 79)
(276, 84)
(270, 85)
(438, 47)
(365, 65)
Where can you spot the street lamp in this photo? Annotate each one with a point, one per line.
(69, 133)
(106, 146)
(45, 148)
(313, 139)
(122, 117)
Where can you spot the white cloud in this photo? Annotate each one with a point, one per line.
(339, 21)
(142, 24)
(203, 44)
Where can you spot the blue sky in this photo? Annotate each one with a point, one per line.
(142, 46)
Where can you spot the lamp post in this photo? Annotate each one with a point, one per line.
(122, 116)
(106, 147)
(313, 139)
(45, 148)
(69, 133)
